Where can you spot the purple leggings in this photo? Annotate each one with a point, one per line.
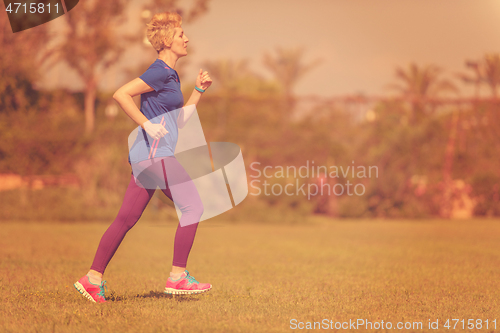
(136, 199)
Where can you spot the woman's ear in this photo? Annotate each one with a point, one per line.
(166, 45)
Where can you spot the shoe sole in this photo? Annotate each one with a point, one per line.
(172, 291)
(82, 291)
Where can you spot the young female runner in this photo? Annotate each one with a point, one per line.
(161, 97)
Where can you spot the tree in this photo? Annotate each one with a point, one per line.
(233, 79)
(485, 70)
(418, 85)
(22, 55)
(476, 78)
(288, 68)
(92, 44)
(491, 72)
(226, 73)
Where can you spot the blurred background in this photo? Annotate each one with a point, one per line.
(409, 87)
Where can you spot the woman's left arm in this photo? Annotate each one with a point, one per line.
(203, 81)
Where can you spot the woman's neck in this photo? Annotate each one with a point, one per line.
(168, 57)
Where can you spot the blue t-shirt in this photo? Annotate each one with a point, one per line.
(164, 102)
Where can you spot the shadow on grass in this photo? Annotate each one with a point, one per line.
(153, 294)
(159, 294)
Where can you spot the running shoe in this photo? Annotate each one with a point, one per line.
(186, 285)
(93, 292)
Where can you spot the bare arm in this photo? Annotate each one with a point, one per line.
(124, 98)
(203, 81)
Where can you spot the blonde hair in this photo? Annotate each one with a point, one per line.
(161, 29)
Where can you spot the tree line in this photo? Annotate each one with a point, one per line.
(435, 158)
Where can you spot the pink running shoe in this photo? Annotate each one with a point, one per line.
(186, 285)
(93, 292)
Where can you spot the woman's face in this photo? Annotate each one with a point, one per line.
(179, 44)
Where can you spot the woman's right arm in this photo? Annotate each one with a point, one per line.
(124, 98)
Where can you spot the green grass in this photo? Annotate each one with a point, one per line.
(262, 275)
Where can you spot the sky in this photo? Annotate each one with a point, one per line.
(360, 42)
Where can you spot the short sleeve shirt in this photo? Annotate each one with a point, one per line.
(164, 103)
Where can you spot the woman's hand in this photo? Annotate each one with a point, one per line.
(156, 131)
(203, 80)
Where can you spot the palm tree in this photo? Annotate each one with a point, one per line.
(230, 78)
(476, 78)
(226, 73)
(418, 85)
(491, 72)
(288, 68)
(486, 70)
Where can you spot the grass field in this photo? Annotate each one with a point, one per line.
(263, 276)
